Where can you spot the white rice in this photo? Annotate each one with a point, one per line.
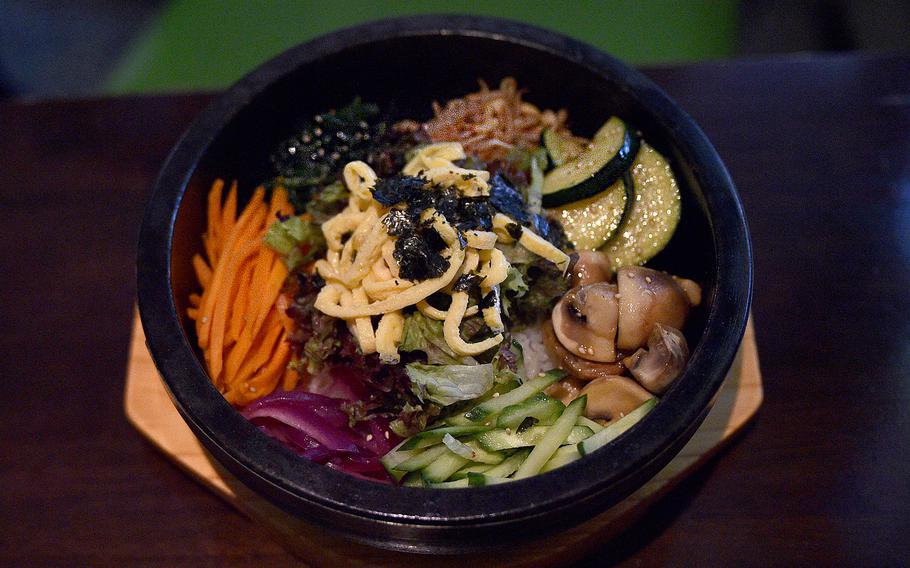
(535, 354)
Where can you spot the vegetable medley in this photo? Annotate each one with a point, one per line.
(447, 303)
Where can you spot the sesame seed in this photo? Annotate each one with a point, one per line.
(386, 434)
(648, 279)
(369, 437)
(252, 389)
(508, 431)
(495, 395)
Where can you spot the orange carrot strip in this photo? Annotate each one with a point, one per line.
(277, 276)
(289, 381)
(252, 215)
(240, 299)
(229, 213)
(203, 272)
(219, 313)
(259, 350)
(265, 381)
(195, 299)
(260, 279)
(214, 208)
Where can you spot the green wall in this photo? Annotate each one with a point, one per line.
(197, 45)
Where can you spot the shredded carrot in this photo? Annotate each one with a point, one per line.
(203, 272)
(240, 327)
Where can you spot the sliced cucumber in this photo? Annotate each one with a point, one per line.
(510, 465)
(529, 388)
(479, 454)
(561, 148)
(498, 389)
(595, 169)
(654, 213)
(443, 467)
(473, 468)
(592, 424)
(497, 440)
(544, 408)
(413, 479)
(612, 431)
(481, 479)
(454, 484)
(564, 455)
(422, 460)
(395, 457)
(591, 222)
(434, 436)
(556, 435)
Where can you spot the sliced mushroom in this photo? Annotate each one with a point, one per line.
(691, 288)
(647, 297)
(611, 398)
(585, 321)
(566, 390)
(658, 366)
(573, 364)
(590, 267)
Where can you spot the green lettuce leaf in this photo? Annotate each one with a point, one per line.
(448, 384)
(296, 240)
(328, 202)
(424, 334)
(509, 362)
(512, 288)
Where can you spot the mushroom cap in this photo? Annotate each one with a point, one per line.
(647, 297)
(566, 390)
(585, 321)
(590, 267)
(576, 366)
(691, 288)
(611, 398)
(657, 367)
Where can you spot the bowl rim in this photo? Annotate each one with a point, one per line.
(282, 474)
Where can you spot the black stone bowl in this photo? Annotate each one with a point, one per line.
(404, 65)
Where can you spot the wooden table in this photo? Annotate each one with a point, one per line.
(820, 150)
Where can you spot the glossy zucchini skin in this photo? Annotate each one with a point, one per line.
(590, 223)
(651, 218)
(560, 148)
(596, 174)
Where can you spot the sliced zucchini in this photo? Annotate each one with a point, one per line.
(612, 431)
(594, 170)
(443, 467)
(497, 440)
(542, 407)
(561, 147)
(591, 222)
(556, 435)
(530, 387)
(654, 213)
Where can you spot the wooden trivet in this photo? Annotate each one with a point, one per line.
(151, 411)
